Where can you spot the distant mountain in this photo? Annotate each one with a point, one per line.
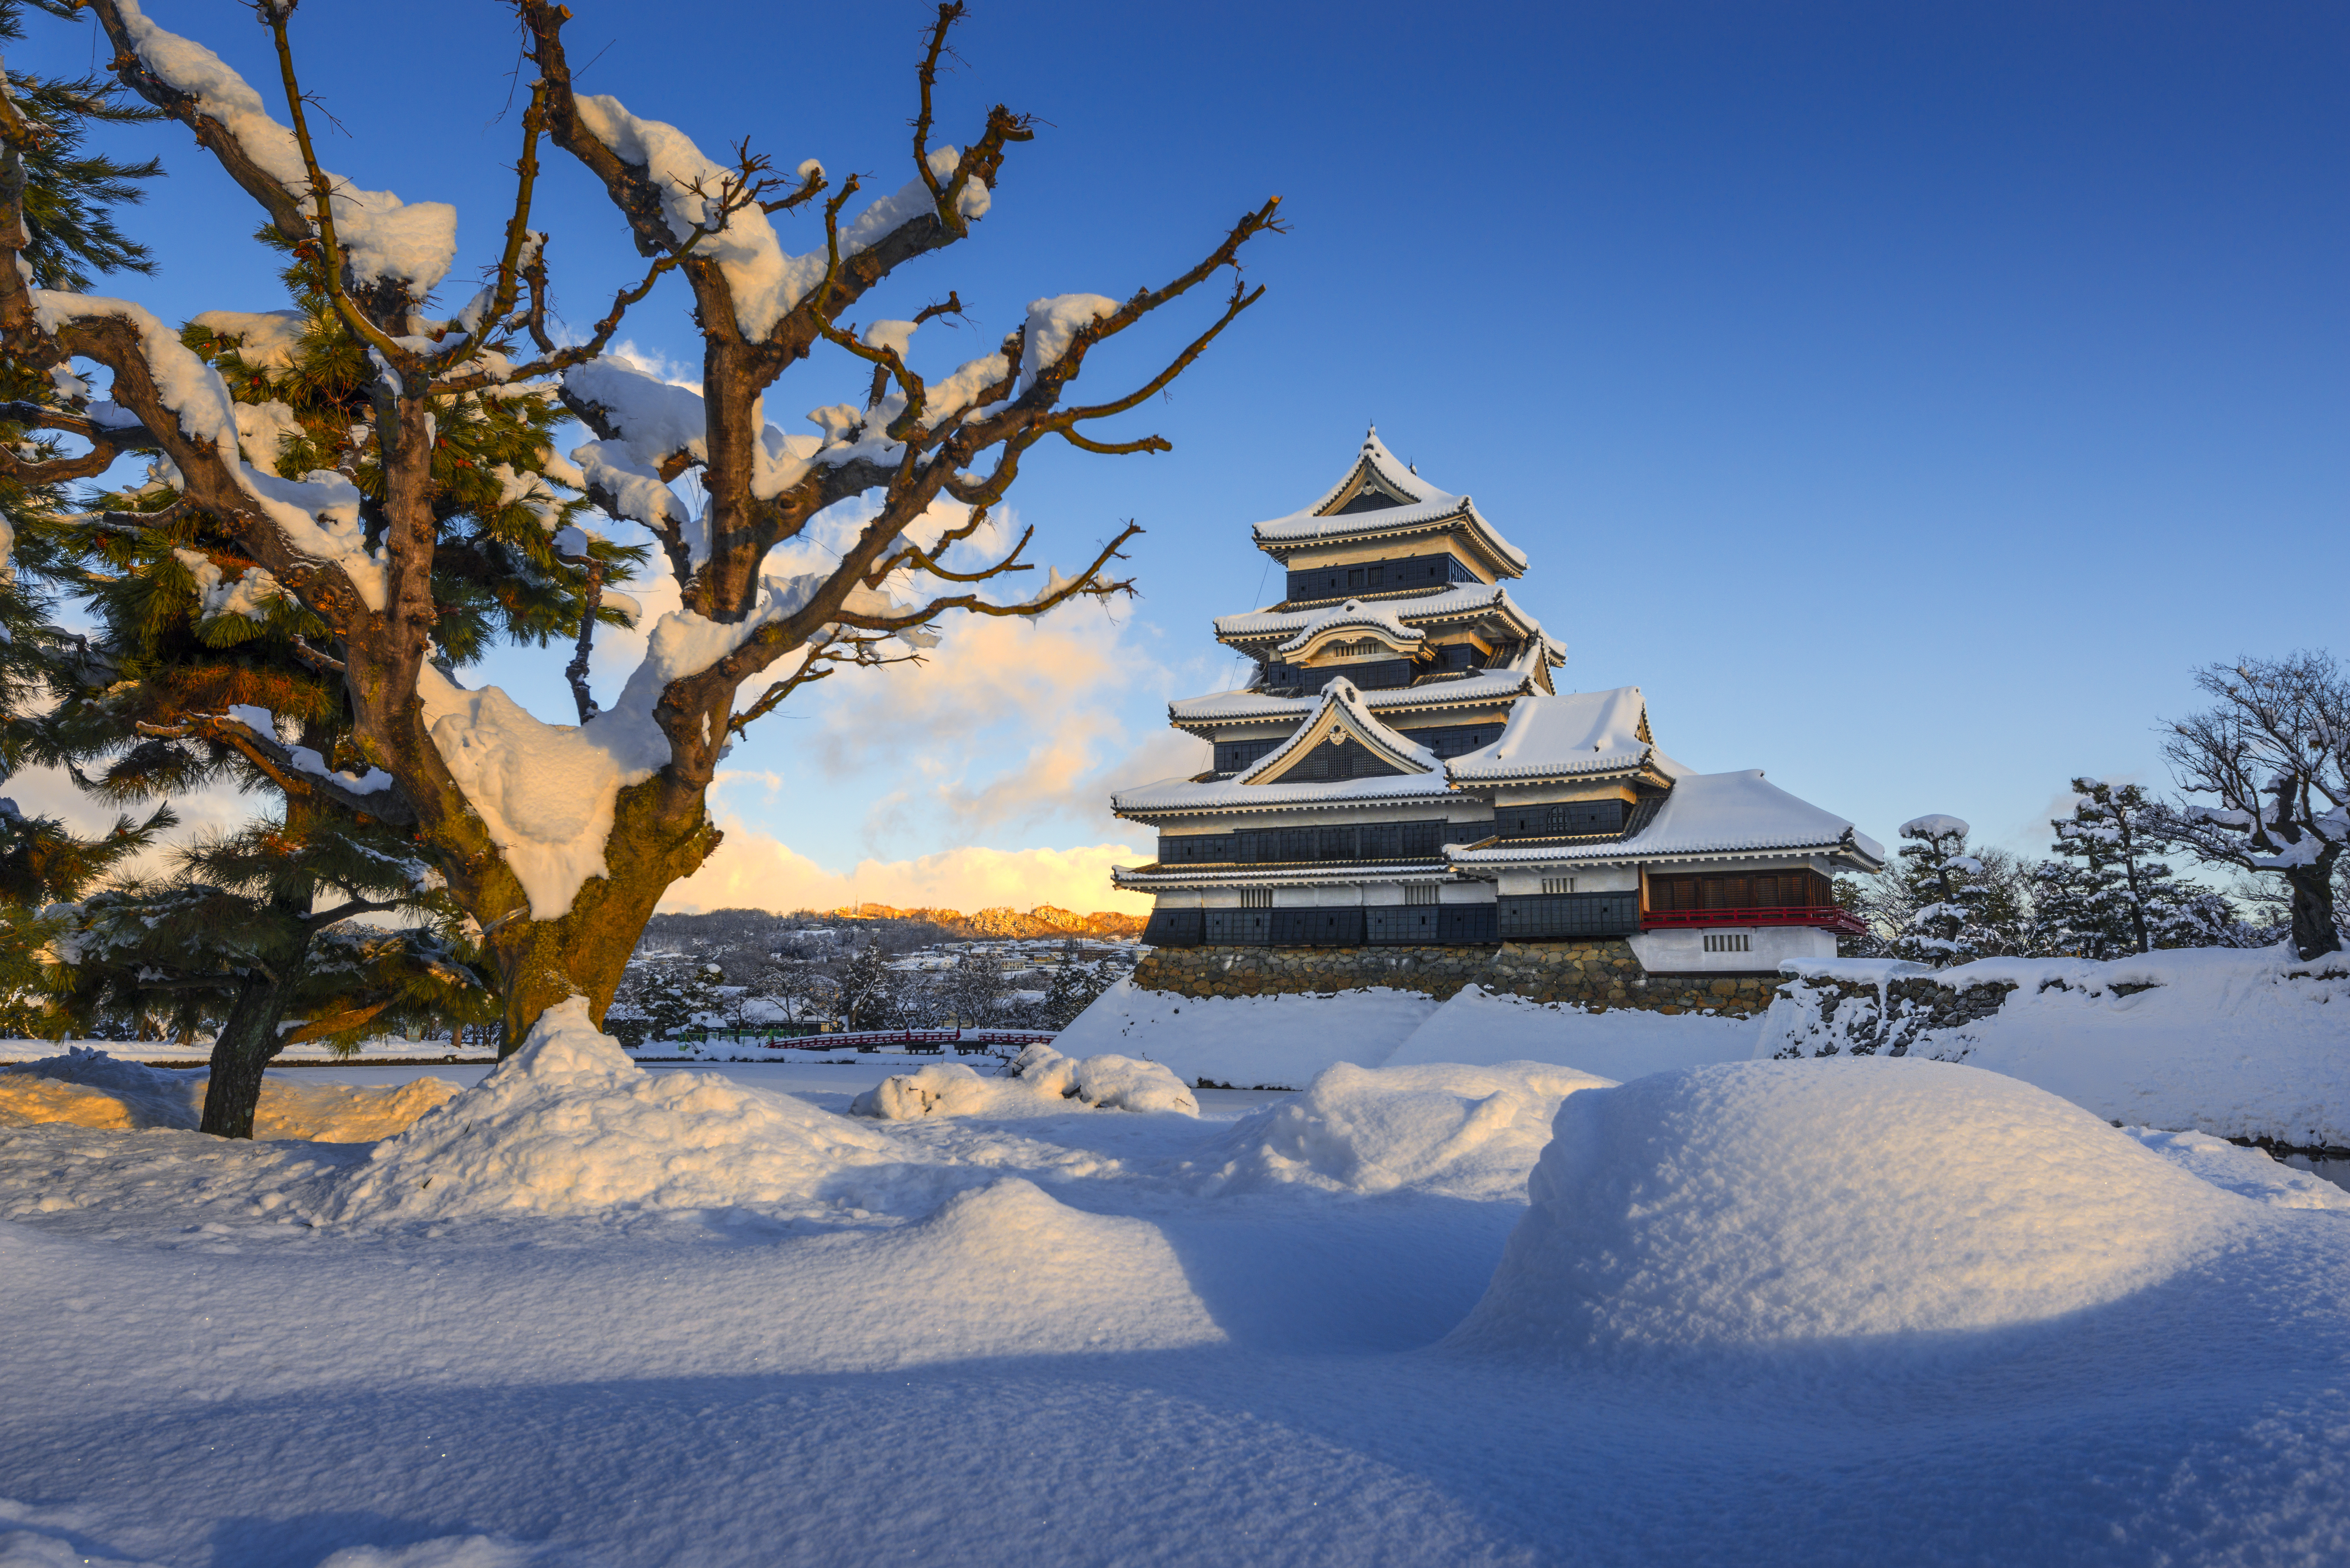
(1043, 920)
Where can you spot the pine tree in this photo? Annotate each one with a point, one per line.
(867, 988)
(68, 197)
(1074, 987)
(1950, 898)
(2107, 898)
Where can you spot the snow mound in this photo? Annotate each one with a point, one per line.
(1484, 1028)
(1247, 1042)
(446, 1551)
(1040, 1079)
(1460, 1131)
(1001, 1270)
(568, 1124)
(91, 1089)
(1763, 1204)
(1124, 1084)
(939, 1089)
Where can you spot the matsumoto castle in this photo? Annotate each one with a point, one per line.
(1400, 771)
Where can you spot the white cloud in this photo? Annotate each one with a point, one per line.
(752, 869)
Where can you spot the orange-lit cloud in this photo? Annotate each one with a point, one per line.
(757, 871)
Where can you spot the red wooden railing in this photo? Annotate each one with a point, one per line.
(916, 1042)
(1827, 916)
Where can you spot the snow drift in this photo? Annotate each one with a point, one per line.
(1460, 1131)
(1775, 1203)
(568, 1123)
(1247, 1042)
(1484, 1028)
(91, 1089)
(1042, 1079)
(2240, 1042)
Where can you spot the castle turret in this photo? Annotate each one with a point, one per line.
(1400, 771)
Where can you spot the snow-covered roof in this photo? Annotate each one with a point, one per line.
(1569, 734)
(1173, 795)
(1413, 609)
(1477, 688)
(1410, 504)
(1354, 615)
(1706, 813)
(1341, 709)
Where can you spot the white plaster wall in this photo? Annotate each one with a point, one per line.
(1326, 897)
(1586, 879)
(1683, 952)
(1464, 892)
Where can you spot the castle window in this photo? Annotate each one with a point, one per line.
(1419, 893)
(1729, 941)
(1558, 885)
(1256, 898)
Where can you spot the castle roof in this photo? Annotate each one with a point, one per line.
(1473, 601)
(1470, 689)
(1381, 498)
(1571, 734)
(1341, 709)
(1708, 814)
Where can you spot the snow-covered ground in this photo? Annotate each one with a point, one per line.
(2244, 1043)
(1863, 1311)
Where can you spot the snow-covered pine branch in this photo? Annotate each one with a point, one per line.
(559, 838)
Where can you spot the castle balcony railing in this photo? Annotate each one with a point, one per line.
(1827, 916)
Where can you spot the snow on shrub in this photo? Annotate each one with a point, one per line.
(569, 1124)
(90, 1088)
(1442, 1128)
(1771, 1203)
(1039, 1079)
(940, 1089)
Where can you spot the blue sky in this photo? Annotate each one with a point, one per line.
(1905, 397)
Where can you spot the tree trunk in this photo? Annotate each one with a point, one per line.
(2315, 933)
(662, 833)
(248, 1041)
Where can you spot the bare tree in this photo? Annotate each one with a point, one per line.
(2271, 751)
(559, 840)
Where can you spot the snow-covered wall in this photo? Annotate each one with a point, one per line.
(2240, 1044)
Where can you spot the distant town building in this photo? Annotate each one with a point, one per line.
(1401, 770)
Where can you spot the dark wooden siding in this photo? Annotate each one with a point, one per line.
(1174, 928)
(1743, 890)
(1378, 576)
(1553, 916)
(1238, 927)
(1371, 675)
(1454, 740)
(1336, 928)
(1369, 841)
(1231, 756)
(1562, 819)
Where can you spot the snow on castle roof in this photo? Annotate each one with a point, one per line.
(1340, 707)
(1440, 604)
(1238, 707)
(1416, 504)
(1569, 734)
(1707, 813)
(1353, 613)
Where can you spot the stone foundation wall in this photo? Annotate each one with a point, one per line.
(1850, 1017)
(1599, 973)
